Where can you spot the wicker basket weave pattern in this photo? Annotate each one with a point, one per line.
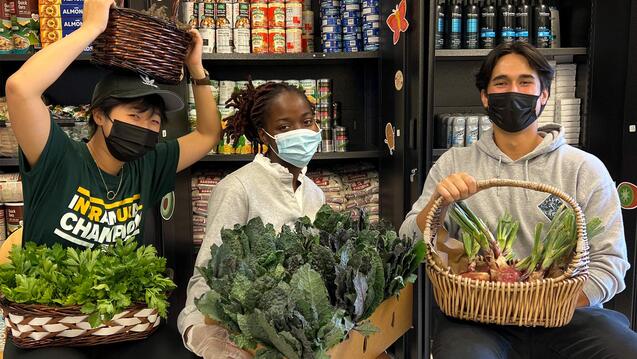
(548, 302)
(35, 326)
(144, 44)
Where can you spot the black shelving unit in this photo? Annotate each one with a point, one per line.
(9, 163)
(445, 54)
(353, 155)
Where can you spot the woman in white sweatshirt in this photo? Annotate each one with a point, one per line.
(273, 187)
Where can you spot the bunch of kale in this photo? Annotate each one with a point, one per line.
(298, 293)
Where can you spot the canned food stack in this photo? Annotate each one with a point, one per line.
(202, 186)
(259, 18)
(324, 113)
(307, 39)
(58, 19)
(331, 26)
(351, 22)
(294, 26)
(276, 26)
(371, 25)
(192, 112)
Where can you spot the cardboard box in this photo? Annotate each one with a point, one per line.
(59, 2)
(393, 318)
(64, 10)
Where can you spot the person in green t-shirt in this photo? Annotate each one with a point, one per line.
(89, 194)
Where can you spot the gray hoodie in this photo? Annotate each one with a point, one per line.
(555, 163)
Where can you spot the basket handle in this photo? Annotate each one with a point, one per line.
(579, 263)
(175, 10)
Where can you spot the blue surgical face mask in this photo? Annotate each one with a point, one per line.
(296, 147)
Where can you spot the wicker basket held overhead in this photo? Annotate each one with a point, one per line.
(147, 45)
(548, 302)
(36, 326)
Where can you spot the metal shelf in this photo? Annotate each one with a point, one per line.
(85, 56)
(8, 162)
(479, 53)
(319, 156)
(316, 56)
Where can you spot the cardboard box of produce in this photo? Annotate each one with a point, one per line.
(393, 318)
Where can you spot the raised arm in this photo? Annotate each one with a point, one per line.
(198, 143)
(29, 116)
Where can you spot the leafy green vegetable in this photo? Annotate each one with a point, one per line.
(298, 293)
(103, 282)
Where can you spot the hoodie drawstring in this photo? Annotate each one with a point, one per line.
(526, 177)
(497, 175)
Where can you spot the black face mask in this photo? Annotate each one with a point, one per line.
(512, 111)
(128, 142)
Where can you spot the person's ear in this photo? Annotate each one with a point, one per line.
(484, 98)
(99, 117)
(544, 97)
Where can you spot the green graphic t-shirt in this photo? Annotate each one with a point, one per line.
(65, 199)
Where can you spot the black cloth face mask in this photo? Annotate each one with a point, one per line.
(512, 111)
(128, 142)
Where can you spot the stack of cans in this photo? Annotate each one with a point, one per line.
(294, 26)
(307, 39)
(331, 26)
(324, 114)
(371, 25)
(351, 21)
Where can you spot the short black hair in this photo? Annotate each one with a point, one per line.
(150, 102)
(536, 60)
(253, 105)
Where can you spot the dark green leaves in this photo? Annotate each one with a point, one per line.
(102, 281)
(298, 293)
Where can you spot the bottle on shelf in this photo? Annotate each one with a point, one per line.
(522, 21)
(542, 25)
(440, 24)
(507, 21)
(455, 28)
(487, 24)
(471, 23)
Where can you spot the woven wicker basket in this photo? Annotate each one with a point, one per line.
(35, 326)
(547, 303)
(144, 44)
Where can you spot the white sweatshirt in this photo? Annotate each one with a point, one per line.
(555, 163)
(259, 189)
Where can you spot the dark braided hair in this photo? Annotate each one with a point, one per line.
(252, 106)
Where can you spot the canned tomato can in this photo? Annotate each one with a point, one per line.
(293, 40)
(276, 14)
(260, 41)
(340, 139)
(308, 21)
(259, 15)
(307, 43)
(276, 40)
(293, 15)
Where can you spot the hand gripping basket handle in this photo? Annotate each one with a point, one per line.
(579, 263)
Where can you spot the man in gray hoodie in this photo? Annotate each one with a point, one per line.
(514, 83)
